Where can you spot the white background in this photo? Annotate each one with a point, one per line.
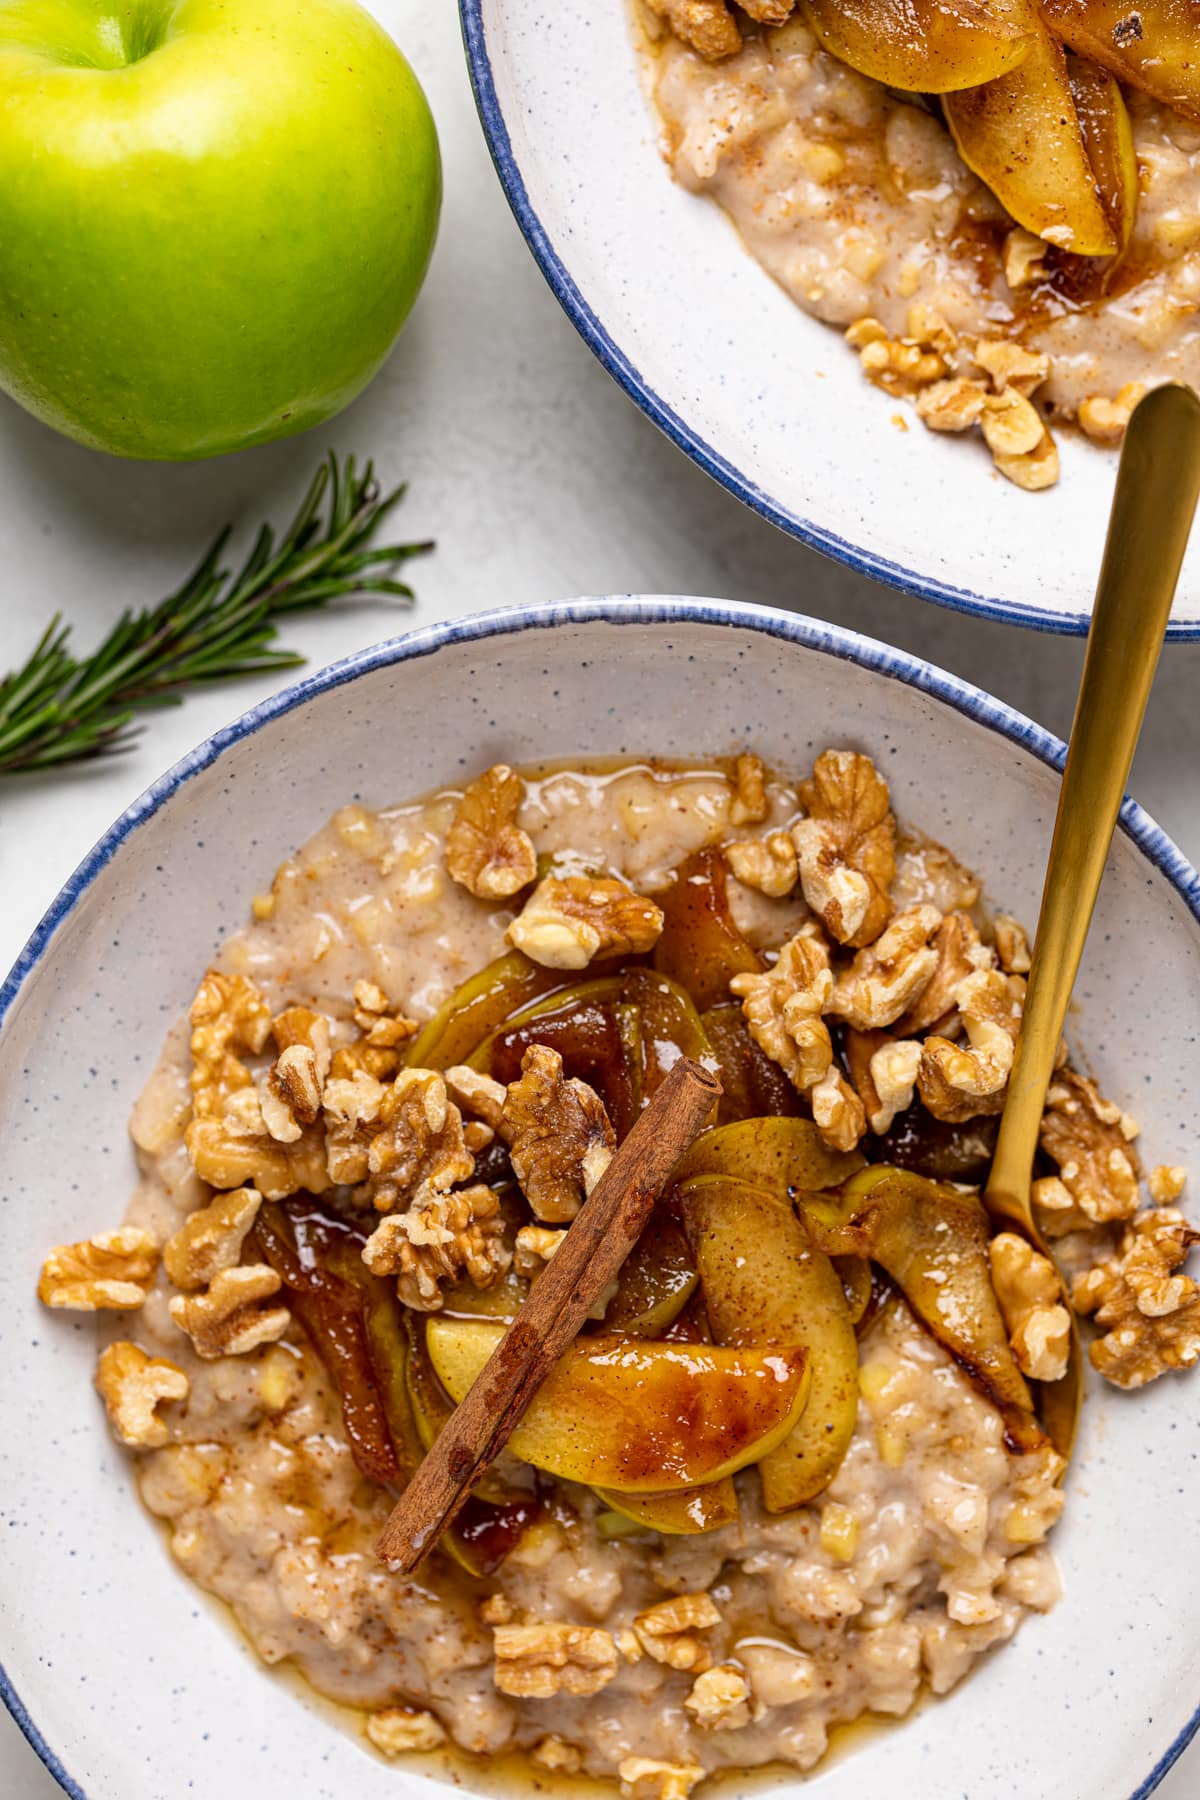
(538, 479)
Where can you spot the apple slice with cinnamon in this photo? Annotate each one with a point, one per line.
(1154, 45)
(1022, 136)
(639, 1416)
(923, 46)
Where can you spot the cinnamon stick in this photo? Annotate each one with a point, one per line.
(599, 1239)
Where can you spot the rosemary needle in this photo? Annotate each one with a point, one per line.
(60, 708)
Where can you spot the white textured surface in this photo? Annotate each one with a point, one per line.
(538, 478)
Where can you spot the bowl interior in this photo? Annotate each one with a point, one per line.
(129, 1676)
(766, 399)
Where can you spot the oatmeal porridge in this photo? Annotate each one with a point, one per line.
(399, 1084)
(1009, 255)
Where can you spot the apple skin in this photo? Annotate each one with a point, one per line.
(214, 242)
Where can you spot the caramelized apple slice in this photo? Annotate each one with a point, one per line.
(764, 1283)
(700, 947)
(477, 1007)
(656, 1281)
(687, 1511)
(922, 46)
(1108, 139)
(752, 1086)
(932, 1240)
(1022, 136)
(640, 1417)
(1153, 44)
(779, 1155)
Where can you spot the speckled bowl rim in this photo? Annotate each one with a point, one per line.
(615, 609)
(706, 456)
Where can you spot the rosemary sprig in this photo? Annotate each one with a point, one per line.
(60, 708)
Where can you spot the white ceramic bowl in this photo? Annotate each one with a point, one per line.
(128, 1685)
(767, 400)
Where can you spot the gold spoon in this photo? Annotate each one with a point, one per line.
(1157, 487)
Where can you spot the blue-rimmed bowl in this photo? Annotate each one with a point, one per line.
(765, 399)
(128, 1686)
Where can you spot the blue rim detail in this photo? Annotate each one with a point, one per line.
(793, 628)
(609, 354)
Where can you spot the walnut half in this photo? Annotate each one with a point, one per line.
(486, 850)
(228, 1318)
(111, 1272)
(1149, 1314)
(559, 1136)
(569, 920)
(1030, 1296)
(846, 847)
(544, 1658)
(437, 1240)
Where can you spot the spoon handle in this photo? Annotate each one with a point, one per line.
(1157, 487)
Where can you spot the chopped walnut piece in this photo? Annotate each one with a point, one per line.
(228, 1014)
(476, 1094)
(398, 1730)
(352, 1108)
(381, 1026)
(111, 1272)
(537, 1661)
(1083, 1134)
(952, 405)
(419, 1151)
(926, 872)
(959, 952)
(886, 978)
(1012, 425)
(1055, 1208)
(720, 1699)
(783, 1008)
(1150, 1315)
(884, 1072)
(227, 1319)
(497, 1609)
(437, 1240)
(1011, 366)
(750, 805)
(707, 25)
(643, 1779)
(559, 1135)
(1166, 1184)
(901, 366)
(235, 1151)
(211, 1239)
(568, 920)
(1030, 1296)
(847, 846)
(667, 1632)
(1105, 421)
(1033, 469)
(1024, 258)
(535, 1245)
(555, 1754)
(837, 1111)
(290, 1098)
(1012, 945)
(486, 850)
(132, 1386)
(957, 1084)
(767, 864)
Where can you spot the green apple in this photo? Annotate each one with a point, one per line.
(215, 215)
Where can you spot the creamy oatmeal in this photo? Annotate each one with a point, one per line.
(398, 1085)
(959, 286)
